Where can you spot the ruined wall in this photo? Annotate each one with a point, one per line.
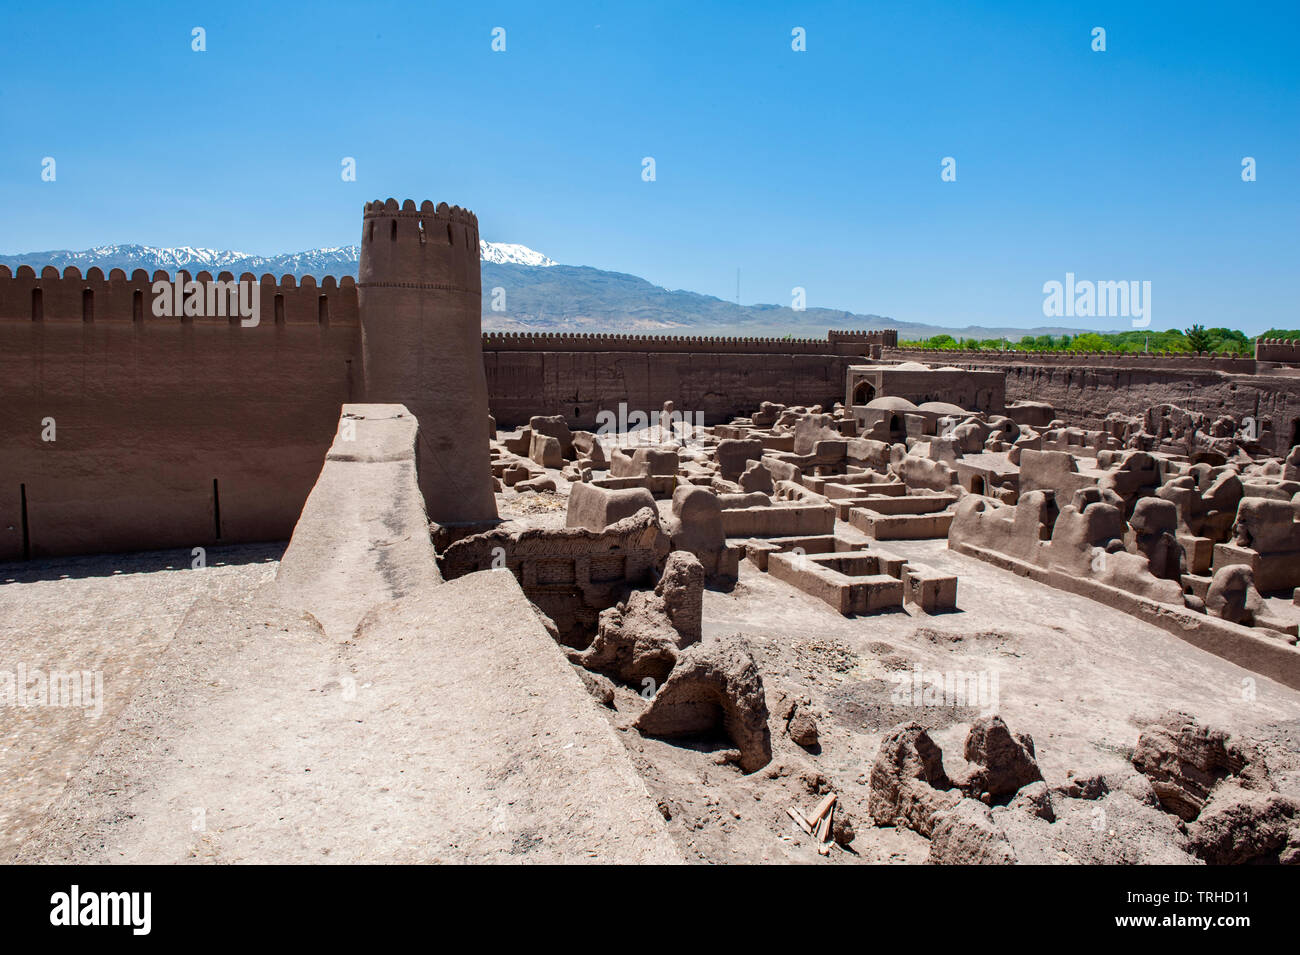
(1085, 388)
(169, 432)
(975, 389)
(580, 375)
(720, 385)
(1086, 395)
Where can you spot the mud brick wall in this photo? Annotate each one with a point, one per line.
(194, 431)
(1280, 350)
(720, 385)
(1085, 388)
(169, 432)
(186, 432)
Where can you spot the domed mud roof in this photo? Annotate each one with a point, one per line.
(890, 403)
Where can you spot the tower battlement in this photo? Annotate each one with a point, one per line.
(419, 296)
(1282, 350)
(405, 246)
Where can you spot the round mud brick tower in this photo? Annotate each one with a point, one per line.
(420, 300)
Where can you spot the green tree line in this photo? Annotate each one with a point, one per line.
(1219, 341)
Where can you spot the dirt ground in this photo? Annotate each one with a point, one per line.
(1079, 677)
(111, 614)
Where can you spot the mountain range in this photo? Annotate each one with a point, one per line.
(524, 290)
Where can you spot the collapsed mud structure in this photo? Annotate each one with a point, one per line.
(912, 622)
(853, 505)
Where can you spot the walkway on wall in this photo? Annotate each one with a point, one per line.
(445, 726)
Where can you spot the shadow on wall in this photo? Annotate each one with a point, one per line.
(142, 562)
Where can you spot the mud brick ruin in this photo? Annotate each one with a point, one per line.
(745, 630)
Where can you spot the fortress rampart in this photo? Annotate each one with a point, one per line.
(125, 430)
(71, 298)
(835, 343)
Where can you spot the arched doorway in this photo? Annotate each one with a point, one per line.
(863, 392)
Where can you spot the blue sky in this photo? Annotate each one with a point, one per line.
(818, 169)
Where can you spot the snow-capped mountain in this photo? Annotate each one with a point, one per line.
(338, 261)
(539, 294)
(508, 253)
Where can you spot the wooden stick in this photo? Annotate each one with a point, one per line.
(824, 833)
(823, 807)
(799, 820)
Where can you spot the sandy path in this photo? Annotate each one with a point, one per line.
(109, 614)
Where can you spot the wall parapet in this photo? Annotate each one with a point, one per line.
(1283, 350)
(405, 245)
(70, 297)
(425, 210)
(888, 337)
(1199, 361)
(599, 342)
